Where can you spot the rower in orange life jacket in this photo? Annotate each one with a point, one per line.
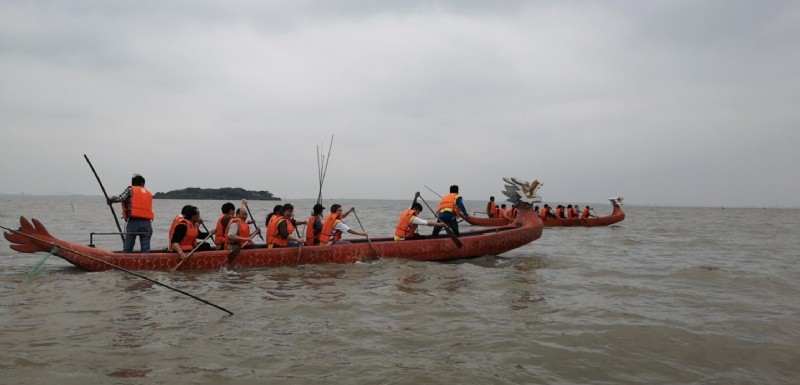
(333, 227)
(585, 214)
(238, 231)
(546, 212)
(184, 232)
(314, 225)
(279, 231)
(220, 236)
(512, 212)
(502, 212)
(491, 208)
(408, 222)
(571, 212)
(559, 211)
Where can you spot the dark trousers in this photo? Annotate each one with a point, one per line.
(450, 219)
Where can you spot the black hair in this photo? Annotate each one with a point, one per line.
(228, 207)
(416, 206)
(335, 207)
(137, 180)
(188, 211)
(454, 188)
(287, 206)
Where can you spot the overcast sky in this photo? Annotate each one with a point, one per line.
(665, 102)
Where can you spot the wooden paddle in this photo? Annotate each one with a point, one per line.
(113, 213)
(253, 220)
(190, 253)
(235, 252)
(365, 231)
(446, 226)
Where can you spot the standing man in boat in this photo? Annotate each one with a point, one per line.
(333, 228)
(228, 209)
(314, 225)
(239, 231)
(184, 232)
(491, 207)
(450, 208)
(409, 221)
(137, 210)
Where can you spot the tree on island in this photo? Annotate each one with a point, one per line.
(225, 193)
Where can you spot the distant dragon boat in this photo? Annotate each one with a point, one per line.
(33, 237)
(513, 188)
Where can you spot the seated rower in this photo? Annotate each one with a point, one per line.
(333, 228)
(239, 231)
(280, 228)
(409, 221)
(184, 232)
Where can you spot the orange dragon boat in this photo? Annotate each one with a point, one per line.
(33, 237)
(616, 215)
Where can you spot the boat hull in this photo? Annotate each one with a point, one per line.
(33, 237)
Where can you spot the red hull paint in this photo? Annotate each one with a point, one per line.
(33, 237)
(616, 216)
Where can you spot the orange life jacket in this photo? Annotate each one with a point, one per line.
(328, 229)
(559, 212)
(448, 204)
(404, 228)
(490, 208)
(220, 236)
(512, 213)
(501, 213)
(311, 237)
(585, 214)
(141, 204)
(571, 213)
(189, 240)
(273, 235)
(545, 210)
(244, 232)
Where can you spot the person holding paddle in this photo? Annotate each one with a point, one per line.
(450, 208)
(239, 231)
(409, 221)
(184, 233)
(333, 228)
(137, 210)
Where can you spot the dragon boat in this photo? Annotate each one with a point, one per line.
(617, 215)
(514, 187)
(32, 237)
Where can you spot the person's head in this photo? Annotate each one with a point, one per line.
(288, 210)
(454, 189)
(336, 208)
(228, 208)
(137, 180)
(318, 209)
(241, 213)
(569, 206)
(536, 208)
(277, 209)
(416, 207)
(491, 199)
(190, 212)
(503, 206)
(587, 207)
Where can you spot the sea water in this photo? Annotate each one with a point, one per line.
(670, 295)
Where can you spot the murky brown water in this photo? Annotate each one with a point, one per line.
(670, 296)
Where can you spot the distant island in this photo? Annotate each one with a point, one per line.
(225, 193)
